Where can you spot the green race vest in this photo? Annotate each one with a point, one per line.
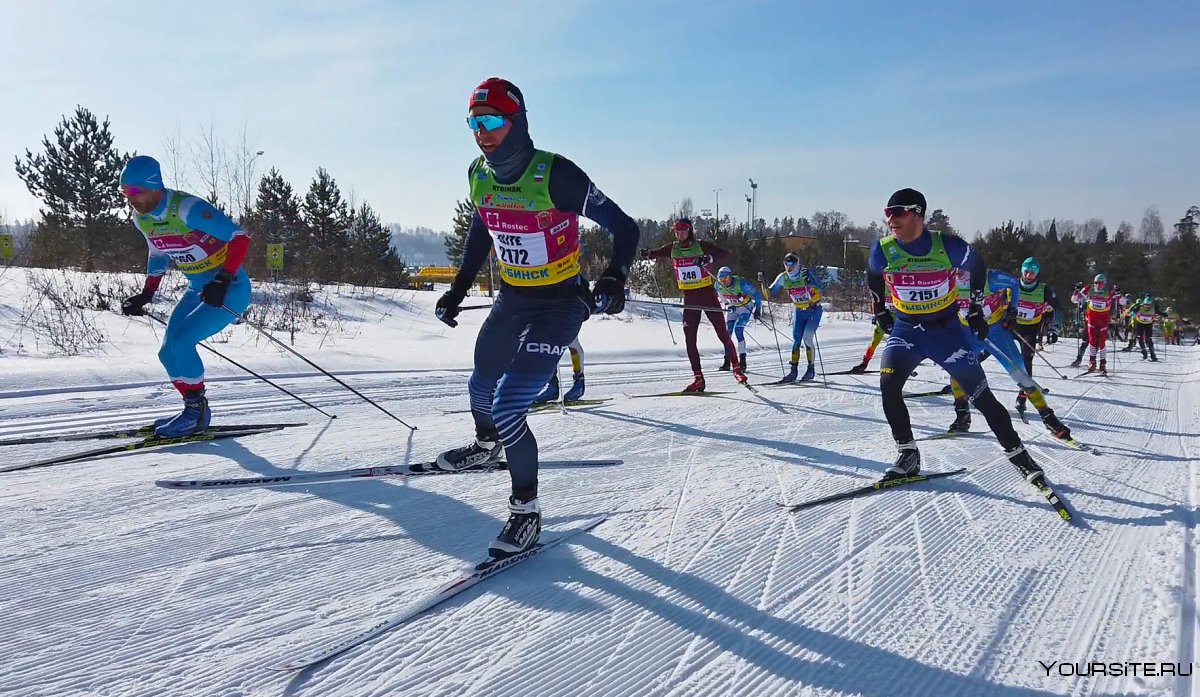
(689, 273)
(919, 285)
(536, 244)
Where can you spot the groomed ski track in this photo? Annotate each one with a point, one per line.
(698, 584)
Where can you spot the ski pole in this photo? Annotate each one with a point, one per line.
(474, 307)
(328, 374)
(658, 289)
(767, 299)
(1039, 355)
(702, 308)
(281, 388)
(820, 359)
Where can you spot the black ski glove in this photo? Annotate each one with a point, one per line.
(213, 292)
(447, 307)
(885, 321)
(976, 321)
(608, 295)
(1052, 337)
(133, 306)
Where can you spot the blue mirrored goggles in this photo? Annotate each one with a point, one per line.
(486, 122)
(789, 262)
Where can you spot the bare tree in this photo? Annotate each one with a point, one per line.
(686, 207)
(174, 159)
(240, 175)
(210, 159)
(1151, 231)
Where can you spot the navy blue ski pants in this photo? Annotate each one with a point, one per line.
(518, 349)
(949, 344)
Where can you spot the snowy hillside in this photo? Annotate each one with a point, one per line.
(698, 582)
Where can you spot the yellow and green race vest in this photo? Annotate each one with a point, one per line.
(536, 244)
(193, 252)
(1031, 304)
(919, 285)
(804, 295)
(689, 272)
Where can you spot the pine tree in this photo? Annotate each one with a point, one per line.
(372, 261)
(1177, 275)
(456, 241)
(76, 178)
(276, 219)
(940, 221)
(328, 220)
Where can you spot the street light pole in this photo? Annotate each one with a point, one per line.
(249, 175)
(754, 199)
(748, 214)
(717, 224)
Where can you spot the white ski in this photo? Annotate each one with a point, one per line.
(482, 572)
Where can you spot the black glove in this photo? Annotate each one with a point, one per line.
(644, 253)
(1079, 285)
(446, 308)
(213, 292)
(885, 321)
(706, 259)
(976, 321)
(1010, 318)
(1052, 337)
(132, 306)
(608, 296)
(758, 314)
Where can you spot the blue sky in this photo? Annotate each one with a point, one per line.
(994, 110)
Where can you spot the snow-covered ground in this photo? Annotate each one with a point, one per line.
(698, 583)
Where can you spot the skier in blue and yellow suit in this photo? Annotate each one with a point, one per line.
(1001, 313)
(208, 248)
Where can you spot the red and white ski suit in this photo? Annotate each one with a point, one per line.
(1100, 306)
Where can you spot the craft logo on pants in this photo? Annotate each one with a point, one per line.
(537, 347)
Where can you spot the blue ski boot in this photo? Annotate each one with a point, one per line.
(810, 374)
(791, 376)
(576, 392)
(550, 393)
(193, 419)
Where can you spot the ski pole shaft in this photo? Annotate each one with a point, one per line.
(277, 386)
(331, 376)
(702, 308)
(658, 289)
(767, 300)
(1039, 355)
(820, 359)
(474, 307)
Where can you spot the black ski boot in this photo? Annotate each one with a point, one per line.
(962, 417)
(522, 530)
(742, 359)
(486, 450)
(908, 462)
(1021, 397)
(725, 366)
(859, 369)
(1025, 465)
(1056, 427)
